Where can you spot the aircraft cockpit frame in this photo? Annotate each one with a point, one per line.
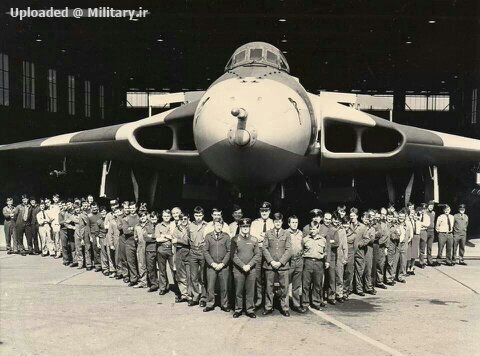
(259, 53)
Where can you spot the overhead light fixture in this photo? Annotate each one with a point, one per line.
(284, 40)
(131, 78)
(284, 52)
(408, 42)
(432, 21)
(443, 82)
(38, 40)
(63, 50)
(134, 19)
(282, 20)
(455, 76)
(159, 40)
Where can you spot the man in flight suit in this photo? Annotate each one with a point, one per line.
(217, 255)
(460, 225)
(296, 264)
(277, 249)
(163, 237)
(258, 230)
(353, 230)
(246, 254)
(180, 238)
(431, 233)
(196, 259)
(128, 226)
(340, 241)
(9, 226)
(22, 217)
(143, 232)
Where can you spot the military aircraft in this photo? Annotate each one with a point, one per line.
(256, 126)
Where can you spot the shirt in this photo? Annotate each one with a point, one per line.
(445, 223)
(426, 221)
(144, 233)
(92, 221)
(102, 230)
(197, 237)
(181, 235)
(8, 212)
(234, 229)
(316, 247)
(431, 216)
(460, 223)
(209, 228)
(128, 224)
(259, 226)
(54, 214)
(163, 232)
(296, 238)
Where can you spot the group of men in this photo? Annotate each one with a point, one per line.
(334, 255)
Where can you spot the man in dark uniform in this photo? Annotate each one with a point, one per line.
(277, 249)
(34, 225)
(9, 226)
(216, 250)
(151, 254)
(246, 254)
(93, 218)
(362, 241)
(460, 225)
(379, 248)
(23, 217)
(128, 226)
(352, 232)
(430, 233)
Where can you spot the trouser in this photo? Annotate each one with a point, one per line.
(151, 264)
(28, 236)
(104, 251)
(423, 246)
(445, 239)
(65, 247)
(392, 260)
(332, 274)
(197, 275)
(142, 263)
(360, 259)
(349, 271)
(295, 277)
(120, 257)
(259, 282)
(430, 238)
(57, 241)
(44, 232)
(402, 260)
(244, 283)
(164, 255)
(378, 271)
(222, 276)
(19, 231)
(88, 251)
(182, 274)
(367, 275)
(131, 259)
(34, 237)
(459, 241)
(270, 277)
(10, 237)
(339, 270)
(313, 270)
(71, 252)
(97, 252)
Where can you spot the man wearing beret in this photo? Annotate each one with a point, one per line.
(246, 255)
(277, 249)
(460, 225)
(259, 229)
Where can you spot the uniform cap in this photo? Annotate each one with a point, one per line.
(113, 202)
(265, 206)
(245, 222)
(316, 212)
(278, 216)
(462, 206)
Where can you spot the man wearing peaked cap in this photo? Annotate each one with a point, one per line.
(259, 228)
(460, 225)
(246, 255)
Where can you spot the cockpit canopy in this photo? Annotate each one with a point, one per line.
(258, 53)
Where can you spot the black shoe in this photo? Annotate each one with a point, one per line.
(237, 314)
(316, 307)
(207, 309)
(435, 264)
(462, 263)
(422, 266)
(381, 286)
(402, 281)
(73, 264)
(89, 268)
(30, 253)
(323, 304)
(391, 283)
(340, 300)
(267, 311)
(258, 306)
(286, 313)
(80, 267)
(126, 280)
(118, 276)
(162, 292)
(226, 310)
(300, 310)
(192, 303)
(203, 304)
(372, 292)
(98, 269)
(131, 284)
(361, 294)
(23, 254)
(152, 289)
(181, 300)
(252, 315)
(331, 301)
(9, 252)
